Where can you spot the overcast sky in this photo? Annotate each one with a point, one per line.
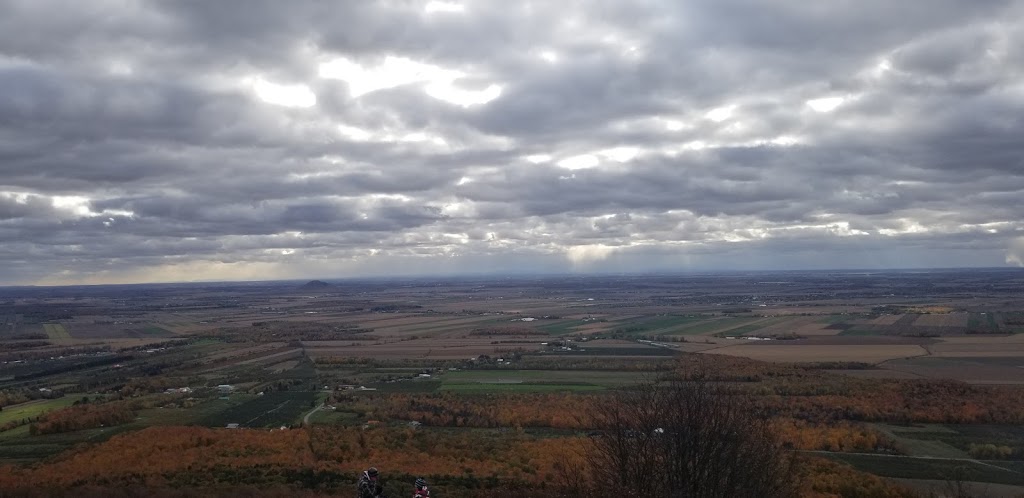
(207, 140)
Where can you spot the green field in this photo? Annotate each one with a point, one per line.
(189, 416)
(332, 417)
(860, 332)
(475, 381)
(561, 327)
(596, 377)
(155, 330)
(17, 445)
(953, 440)
(518, 388)
(665, 324)
(406, 386)
(35, 408)
(925, 468)
(983, 322)
(56, 331)
(273, 409)
(753, 326)
(638, 350)
(721, 324)
(692, 325)
(838, 318)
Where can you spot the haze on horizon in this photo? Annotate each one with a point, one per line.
(145, 141)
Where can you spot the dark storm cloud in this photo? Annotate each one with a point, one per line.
(145, 140)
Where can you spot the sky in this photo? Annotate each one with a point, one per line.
(196, 140)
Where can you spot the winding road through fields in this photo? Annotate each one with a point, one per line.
(305, 420)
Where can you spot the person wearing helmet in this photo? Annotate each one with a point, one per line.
(369, 484)
(421, 488)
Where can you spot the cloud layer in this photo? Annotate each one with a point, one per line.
(196, 140)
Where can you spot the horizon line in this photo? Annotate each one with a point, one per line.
(478, 275)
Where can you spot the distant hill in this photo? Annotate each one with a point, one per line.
(316, 285)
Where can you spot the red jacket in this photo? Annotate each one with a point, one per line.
(421, 493)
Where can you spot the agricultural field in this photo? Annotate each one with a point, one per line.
(822, 353)
(538, 380)
(189, 414)
(35, 408)
(974, 370)
(272, 409)
(904, 375)
(932, 468)
(17, 445)
(56, 331)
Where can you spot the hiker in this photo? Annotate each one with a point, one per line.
(369, 486)
(421, 488)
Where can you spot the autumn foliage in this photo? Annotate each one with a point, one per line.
(560, 411)
(473, 443)
(80, 417)
(320, 457)
(328, 459)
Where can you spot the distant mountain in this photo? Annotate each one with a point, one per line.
(316, 285)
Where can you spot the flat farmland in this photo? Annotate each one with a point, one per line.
(56, 331)
(148, 330)
(929, 468)
(518, 388)
(930, 324)
(35, 408)
(191, 415)
(562, 327)
(974, 370)
(263, 357)
(17, 445)
(623, 349)
(661, 324)
(276, 356)
(937, 487)
(282, 366)
(885, 320)
(981, 346)
(715, 325)
(588, 334)
(218, 352)
(221, 356)
(838, 315)
(820, 353)
(877, 373)
(599, 378)
(943, 320)
(422, 325)
(761, 327)
(785, 326)
(594, 328)
(814, 328)
(13, 328)
(84, 330)
(177, 327)
(435, 348)
(273, 409)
